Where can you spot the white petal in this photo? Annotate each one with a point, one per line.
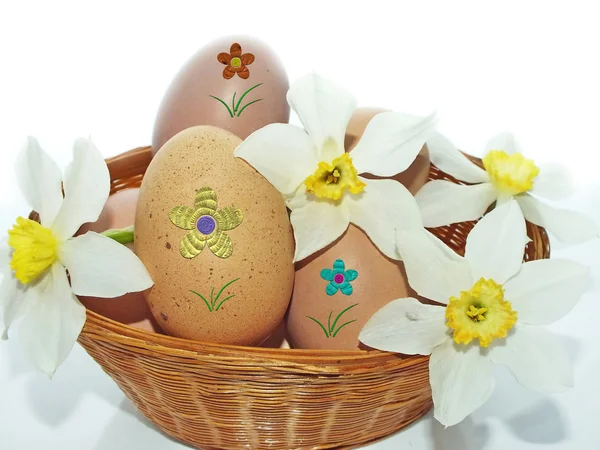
(86, 185)
(446, 157)
(554, 182)
(380, 209)
(391, 142)
(53, 321)
(546, 290)
(317, 224)
(12, 302)
(406, 326)
(461, 381)
(101, 267)
(442, 202)
(300, 198)
(433, 269)
(504, 141)
(40, 181)
(5, 255)
(537, 359)
(283, 154)
(570, 227)
(496, 245)
(324, 109)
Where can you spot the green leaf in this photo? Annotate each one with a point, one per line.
(233, 103)
(338, 330)
(319, 323)
(248, 104)
(225, 287)
(224, 104)
(242, 97)
(342, 313)
(202, 297)
(223, 301)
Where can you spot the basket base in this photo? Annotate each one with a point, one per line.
(252, 439)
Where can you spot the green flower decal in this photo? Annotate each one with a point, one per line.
(206, 225)
(339, 278)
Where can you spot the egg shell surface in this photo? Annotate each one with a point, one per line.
(201, 93)
(248, 270)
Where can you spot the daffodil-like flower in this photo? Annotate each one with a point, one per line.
(322, 184)
(207, 225)
(508, 174)
(339, 278)
(34, 257)
(496, 308)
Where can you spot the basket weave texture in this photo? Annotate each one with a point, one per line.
(226, 397)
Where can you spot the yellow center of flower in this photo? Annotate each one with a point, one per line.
(480, 313)
(235, 62)
(35, 249)
(330, 180)
(510, 174)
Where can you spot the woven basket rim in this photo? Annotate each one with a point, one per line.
(105, 329)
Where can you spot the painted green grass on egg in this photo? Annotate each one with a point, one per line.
(214, 304)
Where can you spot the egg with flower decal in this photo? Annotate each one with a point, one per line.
(236, 83)
(339, 288)
(216, 239)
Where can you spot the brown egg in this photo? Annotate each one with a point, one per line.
(235, 83)
(323, 316)
(216, 239)
(130, 309)
(118, 212)
(414, 177)
(278, 339)
(338, 289)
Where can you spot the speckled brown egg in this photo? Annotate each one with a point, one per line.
(236, 83)
(340, 287)
(216, 239)
(130, 309)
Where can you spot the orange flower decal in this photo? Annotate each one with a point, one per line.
(236, 62)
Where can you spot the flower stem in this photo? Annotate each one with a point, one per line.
(122, 236)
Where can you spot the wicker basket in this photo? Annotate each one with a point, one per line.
(218, 396)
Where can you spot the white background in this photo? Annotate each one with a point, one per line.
(100, 70)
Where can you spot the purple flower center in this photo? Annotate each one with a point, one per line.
(339, 278)
(206, 224)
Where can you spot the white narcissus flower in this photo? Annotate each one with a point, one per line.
(496, 307)
(321, 182)
(34, 257)
(508, 174)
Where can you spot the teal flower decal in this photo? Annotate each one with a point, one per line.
(339, 278)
